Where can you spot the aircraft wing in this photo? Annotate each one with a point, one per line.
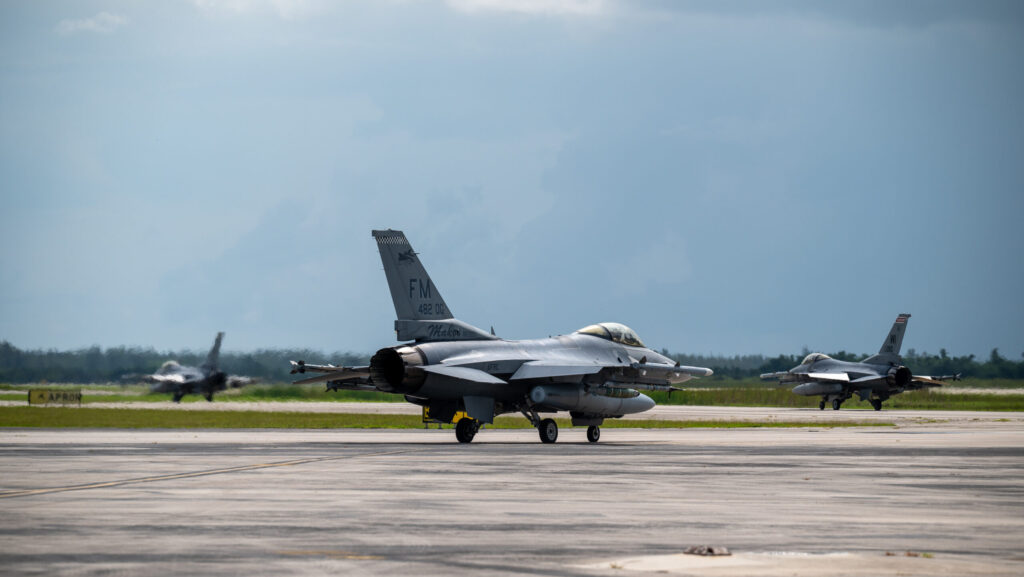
(464, 374)
(547, 369)
(830, 377)
(173, 378)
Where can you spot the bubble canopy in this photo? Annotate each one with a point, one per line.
(814, 357)
(614, 332)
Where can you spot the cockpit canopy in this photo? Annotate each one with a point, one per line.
(613, 332)
(813, 357)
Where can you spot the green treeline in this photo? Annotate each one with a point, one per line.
(98, 365)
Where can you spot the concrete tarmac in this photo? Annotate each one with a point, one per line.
(942, 498)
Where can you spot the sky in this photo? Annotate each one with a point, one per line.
(724, 177)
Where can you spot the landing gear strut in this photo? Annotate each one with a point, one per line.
(466, 429)
(593, 433)
(547, 428)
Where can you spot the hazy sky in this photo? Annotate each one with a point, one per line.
(724, 177)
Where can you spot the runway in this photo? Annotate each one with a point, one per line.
(808, 501)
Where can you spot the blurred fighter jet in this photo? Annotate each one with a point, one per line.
(204, 380)
(451, 367)
(874, 379)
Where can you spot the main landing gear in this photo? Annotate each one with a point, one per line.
(548, 430)
(837, 403)
(466, 429)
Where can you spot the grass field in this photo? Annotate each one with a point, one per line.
(73, 417)
(729, 393)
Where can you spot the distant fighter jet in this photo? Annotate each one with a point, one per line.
(874, 379)
(204, 380)
(451, 367)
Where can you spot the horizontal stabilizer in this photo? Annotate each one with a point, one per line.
(544, 370)
(838, 377)
(464, 374)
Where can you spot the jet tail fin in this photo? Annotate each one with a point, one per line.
(421, 312)
(890, 350)
(415, 296)
(214, 355)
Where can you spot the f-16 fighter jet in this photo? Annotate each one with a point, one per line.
(204, 380)
(451, 367)
(874, 379)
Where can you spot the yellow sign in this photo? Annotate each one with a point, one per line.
(455, 419)
(55, 397)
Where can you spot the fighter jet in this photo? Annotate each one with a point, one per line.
(450, 367)
(874, 379)
(204, 380)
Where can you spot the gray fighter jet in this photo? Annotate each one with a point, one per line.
(204, 380)
(874, 379)
(451, 367)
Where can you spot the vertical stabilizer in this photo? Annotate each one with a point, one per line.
(890, 350)
(214, 355)
(415, 296)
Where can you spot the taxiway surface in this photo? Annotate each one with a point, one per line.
(808, 501)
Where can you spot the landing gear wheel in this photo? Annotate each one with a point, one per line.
(593, 433)
(835, 404)
(877, 404)
(466, 429)
(177, 397)
(821, 405)
(209, 397)
(548, 430)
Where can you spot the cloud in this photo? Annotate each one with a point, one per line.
(533, 7)
(102, 23)
(285, 9)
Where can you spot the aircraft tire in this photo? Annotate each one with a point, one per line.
(836, 403)
(177, 397)
(821, 405)
(877, 404)
(593, 433)
(548, 430)
(465, 430)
